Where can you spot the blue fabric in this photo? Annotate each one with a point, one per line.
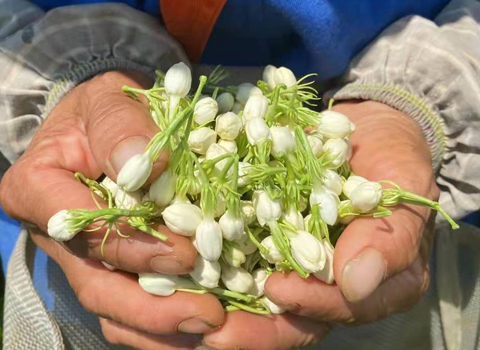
(9, 231)
(149, 6)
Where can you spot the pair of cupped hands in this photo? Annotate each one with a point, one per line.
(380, 265)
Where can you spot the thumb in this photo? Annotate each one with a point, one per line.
(118, 127)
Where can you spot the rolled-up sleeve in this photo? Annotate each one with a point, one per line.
(44, 55)
(431, 71)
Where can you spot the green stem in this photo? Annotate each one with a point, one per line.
(249, 309)
(231, 294)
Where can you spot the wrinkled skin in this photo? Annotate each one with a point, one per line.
(96, 128)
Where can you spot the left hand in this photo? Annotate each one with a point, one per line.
(380, 265)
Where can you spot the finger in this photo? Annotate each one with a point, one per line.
(248, 331)
(313, 298)
(119, 334)
(117, 126)
(118, 296)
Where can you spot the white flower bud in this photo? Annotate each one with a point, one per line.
(329, 203)
(242, 173)
(256, 107)
(248, 212)
(282, 141)
(163, 188)
(259, 278)
(182, 218)
(205, 110)
(163, 285)
(209, 239)
(230, 146)
(128, 200)
(180, 200)
(245, 90)
(326, 274)
(215, 151)
(285, 76)
(257, 131)
(201, 139)
(274, 308)
(352, 183)
(225, 102)
(206, 273)
(110, 185)
(237, 108)
(221, 205)
(366, 196)
(337, 150)
(306, 221)
(60, 228)
(269, 76)
(302, 204)
(228, 126)
(308, 251)
(273, 255)
(135, 172)
(246, 245)
(334, 125)
(333, 181)
(266, 208)
(236, 279)
(294, 217)
(232, 227)
(349, 153)
(316, 145)
(178, 80)
(234, 257)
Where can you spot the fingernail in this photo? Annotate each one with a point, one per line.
(204, 347)
(289, 306)
(169, 265)
(125, 150)
(362, 275)
(195, 325)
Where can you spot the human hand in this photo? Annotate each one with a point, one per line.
(95, 129)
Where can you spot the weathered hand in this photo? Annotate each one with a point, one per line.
(95, 129)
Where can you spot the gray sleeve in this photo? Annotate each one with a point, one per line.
(431, 71)
(44, 55)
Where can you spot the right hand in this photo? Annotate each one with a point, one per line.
(95, 129)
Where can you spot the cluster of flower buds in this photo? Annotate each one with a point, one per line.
(257, 180)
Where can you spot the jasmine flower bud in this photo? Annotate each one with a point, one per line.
(205, 110)
(273, 255)
(206, 273)
(282, 141)
(256, 107)
(237, 107)
(306, 221)
(178, 80)
(334, 125)
(245, 90)
(294, 217)
(267, 209)
(337, 151)
(285, 76)
(60, 226)
(162, 189)
(246, 245)
(182, 218)
(257, 131)
(302, 204)
(135, 172)
(225, 102)
(234, 257)
(248, 212)
(110, 185)
(127, 200)
(236, 279)
(269, 76)
(366, 196)
(232, 227)
(326, 274)
(215, 151)
(316, 145)
(308, 251)
(221, 205)
(230, 146)
(352, 183)
(242, 173)
(209, 239)
(228, 126)
(163, 285)
(274, 308)
(329, 203)
(259, 278)
(333, 181)
(201, 139)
